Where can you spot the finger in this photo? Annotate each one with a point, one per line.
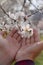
(32, 39)
(23, 41)
(19, 39)
(12, 32)
(28, 41)
(16, 35)
(36, 36)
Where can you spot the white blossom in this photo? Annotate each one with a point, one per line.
(25, 31)
(23, 26)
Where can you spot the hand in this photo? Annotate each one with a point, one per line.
(29, 48)
(8, 47)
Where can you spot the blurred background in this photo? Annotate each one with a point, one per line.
(34, 9)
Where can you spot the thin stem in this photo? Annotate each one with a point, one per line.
(23, 5)
(6, 13)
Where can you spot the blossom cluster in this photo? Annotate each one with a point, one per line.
(19, 20)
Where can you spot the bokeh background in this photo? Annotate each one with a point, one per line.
(37, 18)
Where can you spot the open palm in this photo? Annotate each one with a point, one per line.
(8, 47)
(29, 48)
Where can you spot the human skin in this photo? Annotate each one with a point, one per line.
(16, 48)
(8, 47)
(30, 48)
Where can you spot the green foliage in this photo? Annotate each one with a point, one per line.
(39, 59)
